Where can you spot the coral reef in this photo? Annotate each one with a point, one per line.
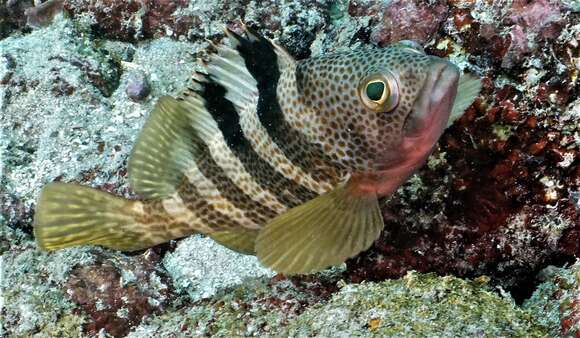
(498, 197)
(259, 307)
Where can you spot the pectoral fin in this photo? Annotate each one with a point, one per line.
(242, 241)
(320, 233)
(467, 90)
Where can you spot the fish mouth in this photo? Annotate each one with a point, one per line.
(431, 111)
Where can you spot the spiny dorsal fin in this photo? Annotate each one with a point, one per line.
(322, 232)
(251, 37)
(164, 150)
(262, 57)
(245, 66)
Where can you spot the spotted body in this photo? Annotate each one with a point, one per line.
(270, 156)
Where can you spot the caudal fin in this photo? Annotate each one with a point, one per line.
(70, 214)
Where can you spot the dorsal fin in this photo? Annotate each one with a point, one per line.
(163, 151)
(246, 66)
(253, 47)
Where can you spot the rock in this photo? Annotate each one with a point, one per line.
(117, 293)
(421, 305)
(295, 23)
(258, 307)
(198, 267)
(12, 16)
(131, 20)
(556, 302)
(33, 299)
(408, 20)
(533, 22)
(137, 87)
(43, 14)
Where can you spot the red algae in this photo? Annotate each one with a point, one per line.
(118, 294)
(408, 20)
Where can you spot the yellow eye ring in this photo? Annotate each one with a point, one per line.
(379, 92)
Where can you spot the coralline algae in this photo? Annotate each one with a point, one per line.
(498, 198)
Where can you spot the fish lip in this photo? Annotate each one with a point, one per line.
(443, 87)
(420, 133)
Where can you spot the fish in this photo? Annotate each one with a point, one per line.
(271, 156)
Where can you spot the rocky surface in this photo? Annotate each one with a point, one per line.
(556, 302)
(416, 305)
(499, 197)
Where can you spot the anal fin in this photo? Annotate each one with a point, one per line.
(320, 233)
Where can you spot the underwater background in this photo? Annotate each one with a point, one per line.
(483, 241)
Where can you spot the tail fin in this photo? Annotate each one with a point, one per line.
(70, 214)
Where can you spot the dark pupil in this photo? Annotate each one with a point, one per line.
(375, 90)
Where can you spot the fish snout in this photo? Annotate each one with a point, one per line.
(432, 108)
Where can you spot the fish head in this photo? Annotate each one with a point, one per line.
(377, 108)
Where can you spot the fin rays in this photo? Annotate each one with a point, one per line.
(467, 90)
(60, 221)
(322, 232)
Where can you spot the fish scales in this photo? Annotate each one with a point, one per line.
(286, 191)
(275, 139)
(258, 213)
(270, 156)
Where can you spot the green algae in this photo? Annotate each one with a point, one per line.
(420, 305)
(257, 307)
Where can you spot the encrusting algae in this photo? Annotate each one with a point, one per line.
(271, 156)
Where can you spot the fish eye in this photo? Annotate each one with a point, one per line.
(376, 91)
(379, 92)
